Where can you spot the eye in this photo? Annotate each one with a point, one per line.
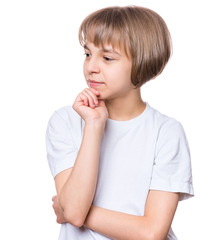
(108, 59)
(87, 54)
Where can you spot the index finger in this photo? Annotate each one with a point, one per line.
(94, 91)
(53, 198)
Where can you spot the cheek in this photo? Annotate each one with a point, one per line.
(127, 73)
(84, 69)
(124, 74)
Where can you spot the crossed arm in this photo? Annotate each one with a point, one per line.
(76, 188)
(159, 212)
(155, 223)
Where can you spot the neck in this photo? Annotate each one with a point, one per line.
(127, 107)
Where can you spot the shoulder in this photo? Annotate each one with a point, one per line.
(170, 134)
(65, 122)
(63, 137)
(65, 116)
(164, 123)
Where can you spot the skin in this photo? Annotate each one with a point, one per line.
(116, 98)
(113, 68)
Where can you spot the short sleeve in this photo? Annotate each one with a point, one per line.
(172, 165)
(61, 149)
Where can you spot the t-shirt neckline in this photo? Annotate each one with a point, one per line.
(130, 121)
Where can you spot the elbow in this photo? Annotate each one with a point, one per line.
(72, 214)
(155, 236)
(152, 230)
(74, 219)
(152, 234)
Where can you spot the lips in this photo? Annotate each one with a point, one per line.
(93, 83)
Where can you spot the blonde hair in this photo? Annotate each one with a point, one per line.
(141, 32)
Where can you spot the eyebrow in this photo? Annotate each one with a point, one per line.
(107, 50)
(85, 47)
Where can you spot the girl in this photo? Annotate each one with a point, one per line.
(120, 166)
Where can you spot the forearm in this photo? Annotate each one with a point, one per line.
(77, 194)
(159, 212)
(117, 225)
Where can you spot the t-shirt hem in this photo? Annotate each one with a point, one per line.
(186, 190)
(62, 165)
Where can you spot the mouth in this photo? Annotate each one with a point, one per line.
(92, 83)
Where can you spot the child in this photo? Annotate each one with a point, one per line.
(120, 166)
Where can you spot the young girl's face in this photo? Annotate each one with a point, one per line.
(108, 70)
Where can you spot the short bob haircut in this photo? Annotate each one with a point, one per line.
(140, 32)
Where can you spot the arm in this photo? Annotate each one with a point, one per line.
(159, 212)
(76, 186)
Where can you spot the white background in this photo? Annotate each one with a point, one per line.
(41, 71)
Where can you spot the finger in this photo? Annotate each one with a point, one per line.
(92, 98)
(94, 91)
(83, 98)
(88, 97)
(54, 198)
(94, 94)
(54, 206)
(59, 220)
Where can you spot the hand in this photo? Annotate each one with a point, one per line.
(58, 210)
(89, 107)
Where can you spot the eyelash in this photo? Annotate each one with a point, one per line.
(107, 59)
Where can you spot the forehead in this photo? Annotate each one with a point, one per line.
(105, 48)
(105, 38)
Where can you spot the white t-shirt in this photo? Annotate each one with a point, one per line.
(147, 152)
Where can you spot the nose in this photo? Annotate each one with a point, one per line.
(92, 65)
